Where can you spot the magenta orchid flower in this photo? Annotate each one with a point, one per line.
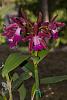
(36, 39)
(13, 29)
(13, 41)
(12, 33)
(39, 32)
(10, 30)
(54, 27)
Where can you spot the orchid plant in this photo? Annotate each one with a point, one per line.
(37, 35)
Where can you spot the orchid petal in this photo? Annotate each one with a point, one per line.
(44, 35)
(53, 19)
(11, 26)
(39, 20)
(27, 38)
(43, 44)
(30, 45)
(35, 28)
(60, 24)
(18, 31)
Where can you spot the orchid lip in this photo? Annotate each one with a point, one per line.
(37, 47)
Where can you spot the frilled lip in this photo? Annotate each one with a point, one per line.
(38, 47)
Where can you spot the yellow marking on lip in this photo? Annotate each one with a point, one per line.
(45, 27)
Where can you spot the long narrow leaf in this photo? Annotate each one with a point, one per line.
(17, 83)
(22, 92)
(29, 67)
(54, 79)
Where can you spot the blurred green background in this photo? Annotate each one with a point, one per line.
(49, 8)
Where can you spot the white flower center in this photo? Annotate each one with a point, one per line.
(11, 40)
(36, 40)
(18, 31)
(55, 31)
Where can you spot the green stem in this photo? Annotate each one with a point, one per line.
(9, 88)
(36, 81)
(36, 78)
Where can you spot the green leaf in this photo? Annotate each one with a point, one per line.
(15, 76)
(22, 92)
(1, 98)
(35, 59)
(42, 54)
(23, 49)
(0, 71)
(12, 62)
(17, 83)
(54, 79)
(29, 67)
(64, 41)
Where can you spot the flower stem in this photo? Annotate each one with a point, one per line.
(36, 79)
